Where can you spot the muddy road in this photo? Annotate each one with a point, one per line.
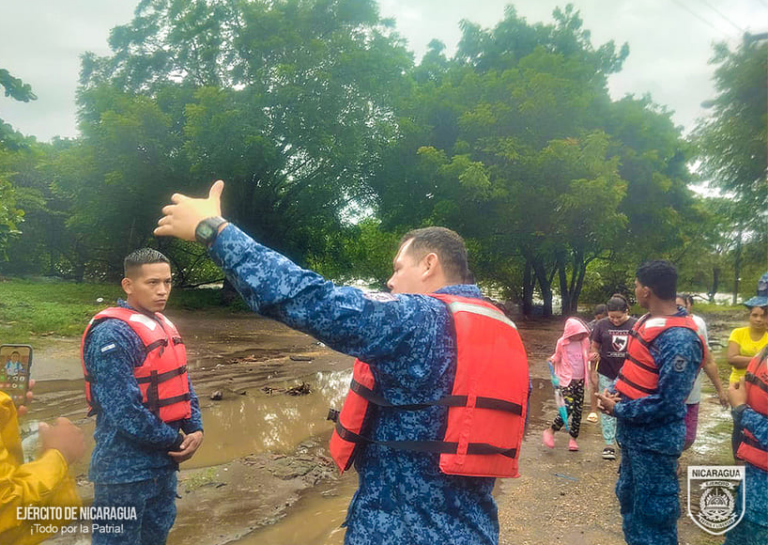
(263, 475)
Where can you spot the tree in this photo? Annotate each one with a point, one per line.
(10, 140)
(516, 143)
(289, 101)
(733, 140)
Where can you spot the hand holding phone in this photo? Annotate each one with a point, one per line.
(15, 367)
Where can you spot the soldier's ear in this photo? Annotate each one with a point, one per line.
(127, 285)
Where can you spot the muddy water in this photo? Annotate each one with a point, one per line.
(326, 505)
(257, 422)
(236, 426)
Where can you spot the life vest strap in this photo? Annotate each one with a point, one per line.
(169, 401)
(636, 336)
(162, 377)
(642, 365)
(754, 381)
(752, 442)
(636, 386)
(447, 401)
(437, 447)
(158, 343)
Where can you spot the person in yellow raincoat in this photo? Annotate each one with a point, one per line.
(44, 482)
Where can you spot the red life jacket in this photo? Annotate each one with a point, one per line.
(757, 398)
(639, 376)
(162, 377)
(486, 408)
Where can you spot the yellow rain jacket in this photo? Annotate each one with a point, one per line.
(44, 482)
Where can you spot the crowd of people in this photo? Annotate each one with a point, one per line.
(438, 403)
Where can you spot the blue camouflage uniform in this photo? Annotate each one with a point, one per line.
(753, 529)
(130, 465)
(408, 341)
(651, 433)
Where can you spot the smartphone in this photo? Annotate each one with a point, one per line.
(15, 366)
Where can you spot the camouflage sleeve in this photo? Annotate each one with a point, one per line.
(368, 326)
(112, 350)
(195, 421)
(757, 424)
(678, 354)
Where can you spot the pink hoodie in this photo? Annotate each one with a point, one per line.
(563, 369)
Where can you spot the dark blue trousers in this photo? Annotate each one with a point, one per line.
(648, 495)
(155, 504)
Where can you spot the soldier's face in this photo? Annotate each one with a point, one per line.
(408, 273)
(149, 287)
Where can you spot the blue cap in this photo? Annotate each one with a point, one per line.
(761, 299)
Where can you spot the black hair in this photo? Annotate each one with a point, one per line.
(686, 297)
(660, 276)
(142, 256)
(447, 244)
(617, 302)
(600, 309)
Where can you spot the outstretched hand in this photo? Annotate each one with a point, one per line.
(181, 218)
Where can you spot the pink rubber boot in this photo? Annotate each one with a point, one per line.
(548, 438)
(573, 446)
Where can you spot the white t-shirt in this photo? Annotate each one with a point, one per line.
(695, 395)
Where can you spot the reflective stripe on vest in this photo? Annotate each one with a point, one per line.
(750, 450)
(162, 377)
(486, 407)
(639, 376)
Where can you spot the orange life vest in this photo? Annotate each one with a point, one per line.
(757, 398)
(639, 376)
(486, 408)
(162, 378)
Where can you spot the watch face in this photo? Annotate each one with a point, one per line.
(204, 232)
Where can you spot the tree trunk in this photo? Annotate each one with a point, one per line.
(565, 296)
(576, 292)
(528, 283)
(715, 284)
(737, 267)
(546, 287)
(228, 293)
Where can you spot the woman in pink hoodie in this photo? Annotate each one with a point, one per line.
(571, 363)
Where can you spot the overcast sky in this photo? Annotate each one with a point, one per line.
(670, 43)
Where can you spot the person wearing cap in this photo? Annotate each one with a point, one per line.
(745, 342)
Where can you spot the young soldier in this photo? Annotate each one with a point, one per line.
(664, 354)
(147, 414)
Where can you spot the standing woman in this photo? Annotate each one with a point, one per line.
(745, 342)
(685, 301)
(608, 351)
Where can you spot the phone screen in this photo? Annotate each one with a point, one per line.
(15, 363)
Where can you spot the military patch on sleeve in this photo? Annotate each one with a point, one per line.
(680, 363)
(380, 296)
(108, 347)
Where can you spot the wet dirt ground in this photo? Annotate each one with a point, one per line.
(263, 475)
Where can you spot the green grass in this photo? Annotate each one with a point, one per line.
(200, 479)
(33, 309)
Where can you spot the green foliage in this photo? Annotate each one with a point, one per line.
(516, 144)
(734, 139)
